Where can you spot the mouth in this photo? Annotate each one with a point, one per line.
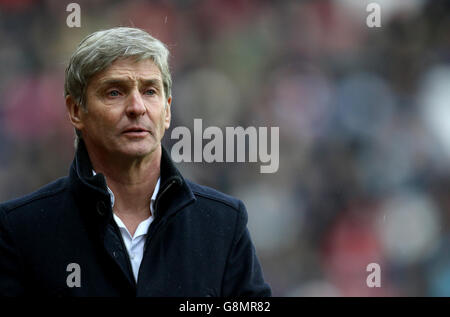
(136, 132)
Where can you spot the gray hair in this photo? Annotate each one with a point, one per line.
(99, 50)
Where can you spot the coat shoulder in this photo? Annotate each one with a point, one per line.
(41, 195)
(214, 196)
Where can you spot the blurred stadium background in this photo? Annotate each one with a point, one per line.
(364, 117)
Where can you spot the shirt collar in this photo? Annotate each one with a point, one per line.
(152, 200)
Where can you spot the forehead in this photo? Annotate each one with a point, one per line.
(130, 70)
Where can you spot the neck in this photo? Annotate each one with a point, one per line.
(132, 180)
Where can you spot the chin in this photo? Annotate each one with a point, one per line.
(139, 151)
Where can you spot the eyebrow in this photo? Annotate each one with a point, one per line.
(123, 82)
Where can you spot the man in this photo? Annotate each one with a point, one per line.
(125, 222)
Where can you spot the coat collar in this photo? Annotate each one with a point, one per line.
(91, 191)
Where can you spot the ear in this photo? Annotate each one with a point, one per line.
(168, 114)
(75, 112)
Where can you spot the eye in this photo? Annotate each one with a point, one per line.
(150, 92)
(113, 93)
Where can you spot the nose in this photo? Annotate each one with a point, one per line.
(136, 105)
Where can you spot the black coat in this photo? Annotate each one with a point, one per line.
(197, 245)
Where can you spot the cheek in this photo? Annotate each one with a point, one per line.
(166, 122)
(163, 120)
(104, 122)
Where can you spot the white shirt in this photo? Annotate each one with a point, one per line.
(135, 244)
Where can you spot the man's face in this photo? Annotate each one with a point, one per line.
(126, 109)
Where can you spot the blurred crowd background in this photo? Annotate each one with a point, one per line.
(364, 118)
